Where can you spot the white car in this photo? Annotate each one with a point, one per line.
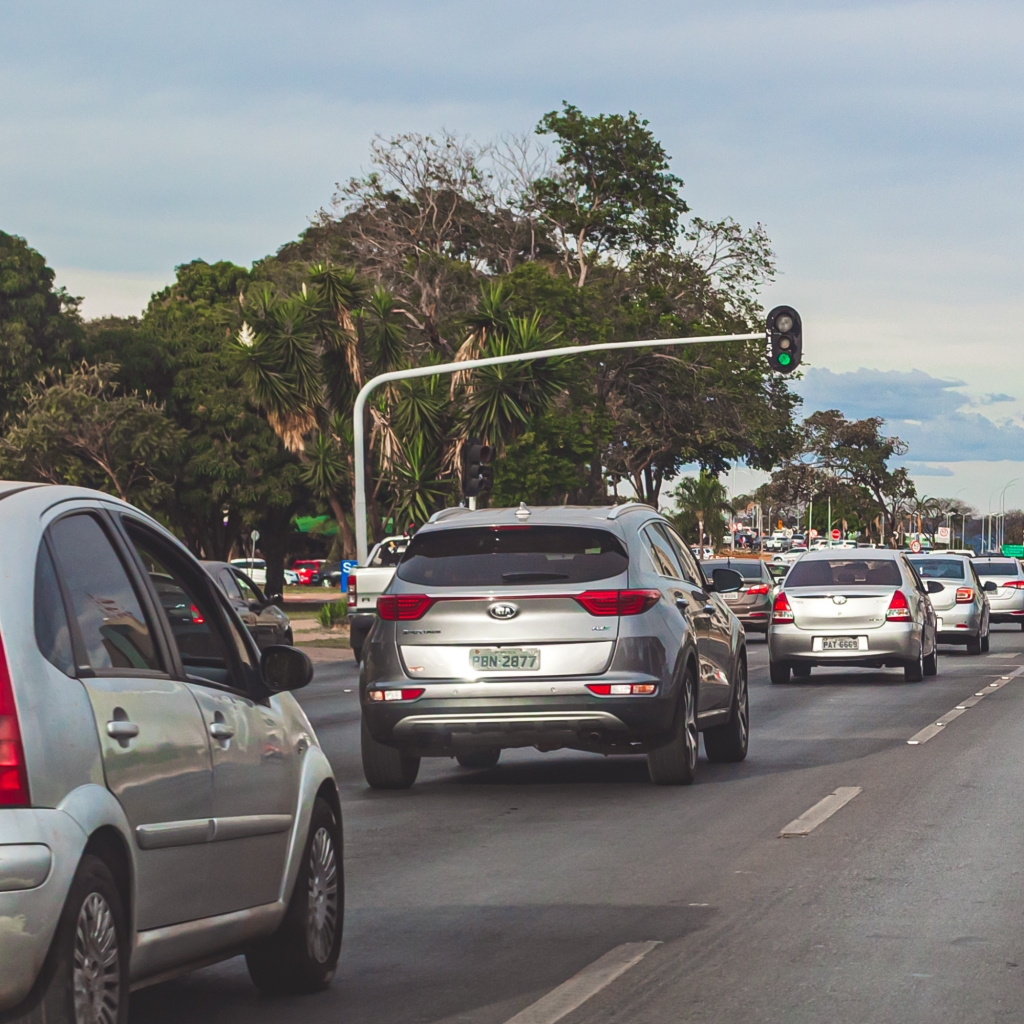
(254, 568)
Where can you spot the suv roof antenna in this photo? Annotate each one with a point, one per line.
(522, 512)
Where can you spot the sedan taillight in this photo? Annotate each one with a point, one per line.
(761, 588)
(403, 607)
(781, 610)
(1014, 584)
(964, 595)
(618, 602)
(899, 610)
(13, 776)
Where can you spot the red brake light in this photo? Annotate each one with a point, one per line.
(1015, 584)
(781, 611)
(13, 776)
(622, 689)
(352, 596)
(197, 615)
(618, 602)
(403, 607)
(964, 595)
(899, 610)
(761, 588)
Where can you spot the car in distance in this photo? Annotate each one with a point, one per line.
(307, 570)
(366, 583)
(1006, 601)
(591, 629)
(960, 599)
(164, 802)
(752, 603)
(264, 620)
(254, 568)
(840, 608)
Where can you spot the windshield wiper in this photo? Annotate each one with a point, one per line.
(532, 577)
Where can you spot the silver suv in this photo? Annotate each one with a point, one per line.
(588, 628)
(163, 803)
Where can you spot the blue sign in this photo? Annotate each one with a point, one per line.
(346, 568)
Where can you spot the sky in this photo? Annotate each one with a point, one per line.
(880, 144)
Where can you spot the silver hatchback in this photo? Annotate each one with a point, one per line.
(585, 628)
(852, 608)
(959, 598)
(164, 803)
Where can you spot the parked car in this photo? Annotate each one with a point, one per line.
(838, 609)
(291, 578)
(307, 570)
(1006, 602)
(164, 802)
(254, 568)
(264, 619)
(752, 603)
(960, 599)
(366, 584)
(583, 628)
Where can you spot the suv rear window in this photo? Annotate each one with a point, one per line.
(512, 556)
(996, 568)
(844, 572)
(938, 568)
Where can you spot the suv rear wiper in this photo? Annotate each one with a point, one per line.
(532, 577)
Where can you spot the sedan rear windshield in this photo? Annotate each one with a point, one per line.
(939, 568)
(512, 556)
(995, 568)
(749, 570)
(844, 572)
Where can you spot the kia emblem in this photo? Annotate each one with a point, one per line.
(503, 611)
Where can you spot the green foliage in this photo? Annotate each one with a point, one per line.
(701, 503)
(332, 613)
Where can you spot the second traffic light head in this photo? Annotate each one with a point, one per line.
(477, 475)
(785, 335)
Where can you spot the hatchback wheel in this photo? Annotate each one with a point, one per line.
(302, 955)
(985, 642)
(479, 758)
(778, 671)
(974, 644)
(675, 764)
(385, 767)
(725, 744)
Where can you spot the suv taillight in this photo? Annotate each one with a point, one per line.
(781, 611)
(618, 602)
(964, 595)
(351, 591)
(760, 588)
(898, 610)
(13, 776)
(403, 607)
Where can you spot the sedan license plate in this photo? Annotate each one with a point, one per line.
(505, 659)
(839, 643)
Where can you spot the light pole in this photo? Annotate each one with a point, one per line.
(472, 364)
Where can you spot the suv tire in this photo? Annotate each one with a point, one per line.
(479, 758)
(675, 764)
(778, 671)
(302, 955)
(86, 972)
(727, 744)
(385, 767)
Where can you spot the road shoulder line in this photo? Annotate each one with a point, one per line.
(821, 811)
(931, 731)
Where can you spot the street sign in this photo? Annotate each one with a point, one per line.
(1013, 550)
(813, 534)
(915, 547)
(942, 534)
(255, 536)
(836, 534)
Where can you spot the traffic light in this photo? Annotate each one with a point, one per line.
(477, 473)
(785, 335)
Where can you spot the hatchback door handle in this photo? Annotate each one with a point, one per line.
(221, 731)
(121, 729)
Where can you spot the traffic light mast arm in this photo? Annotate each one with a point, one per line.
(472, 364)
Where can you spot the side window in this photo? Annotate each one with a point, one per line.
(209, 650)
(691, 570)
(249, 593)
(660, 547)
(111, 623)
(51, 623)
(226, 579)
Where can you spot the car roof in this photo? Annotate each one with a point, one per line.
(819, 555)
(932, 555)
(603, 516)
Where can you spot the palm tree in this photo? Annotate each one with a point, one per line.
(703, 499)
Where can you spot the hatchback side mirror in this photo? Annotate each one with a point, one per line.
(990, 585)
(935, 587)
(285, 668)
(726, 581)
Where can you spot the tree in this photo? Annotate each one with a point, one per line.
(612, 194)
(701, 501)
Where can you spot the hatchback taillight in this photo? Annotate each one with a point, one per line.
(781, 611)
(352, 594)
(761, 588)
(898, 610)
(618, 602)
(13, 776)
(403, 607)
(964, 595)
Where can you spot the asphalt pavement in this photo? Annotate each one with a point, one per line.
(480, 895)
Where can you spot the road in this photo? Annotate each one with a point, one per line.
(476, 893)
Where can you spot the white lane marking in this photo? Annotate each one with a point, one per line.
(821, 811)
(580, 987)
(1005, 655)
(931, 731)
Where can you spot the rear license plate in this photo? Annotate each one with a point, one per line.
(839, 643)
(505, 659)
(731, 596)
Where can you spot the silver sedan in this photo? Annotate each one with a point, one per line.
(959, 598)
(844, 608)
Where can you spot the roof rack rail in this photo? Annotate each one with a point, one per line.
(629, 506)
(447, 513)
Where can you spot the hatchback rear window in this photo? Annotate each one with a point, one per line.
(939, 568)
(512, 556)
(844, 572)
(995, 568)
(748, 570)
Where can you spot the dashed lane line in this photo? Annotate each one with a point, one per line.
(821, 811)
(581, 987)
(929, 732)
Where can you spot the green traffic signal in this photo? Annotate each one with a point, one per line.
(785, 336)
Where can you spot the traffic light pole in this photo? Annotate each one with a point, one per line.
(358, 409)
